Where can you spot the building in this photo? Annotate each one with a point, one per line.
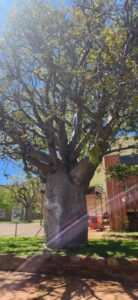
(121, 207)
(122, 197)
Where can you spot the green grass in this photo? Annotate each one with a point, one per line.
(28, 246)
(123, 234)
(21, 246)
(106, 248)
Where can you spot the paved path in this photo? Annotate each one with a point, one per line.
(23, 229)
(23, 286)
(31, 229)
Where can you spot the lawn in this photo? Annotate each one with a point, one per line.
(28, 246)
(123, 234)
(21, 246)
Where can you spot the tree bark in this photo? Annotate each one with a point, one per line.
(65, 212)
(27, 214)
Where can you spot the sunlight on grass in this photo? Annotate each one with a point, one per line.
(122, 234)
(96, 248)
(21, 246)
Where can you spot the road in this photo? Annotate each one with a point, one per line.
(23, 229)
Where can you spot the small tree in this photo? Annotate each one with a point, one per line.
(27, 195)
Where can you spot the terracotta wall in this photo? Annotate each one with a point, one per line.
(119, 202)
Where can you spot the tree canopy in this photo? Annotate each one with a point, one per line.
(5, 198)
(67, 81)
(26, 193)
(121, 171)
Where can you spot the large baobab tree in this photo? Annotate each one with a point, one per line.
(67, 86)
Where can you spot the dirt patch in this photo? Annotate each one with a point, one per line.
(17, 286)
(97, 234)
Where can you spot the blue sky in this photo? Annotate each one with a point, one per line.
(8, 167)
(5, 3)
(4, 7)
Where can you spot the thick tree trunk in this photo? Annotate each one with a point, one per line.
(66, 213)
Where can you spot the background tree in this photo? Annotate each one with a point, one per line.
(27, 195)
(5, 199)
(67, 86)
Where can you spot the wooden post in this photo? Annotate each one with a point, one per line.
(16, 229)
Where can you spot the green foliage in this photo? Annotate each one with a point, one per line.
(122, 222)
(67, 81)
(26, 192)
(5, 198)
(122, 171)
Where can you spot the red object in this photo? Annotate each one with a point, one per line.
(95, 222)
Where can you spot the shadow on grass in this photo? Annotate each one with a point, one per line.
(95, 248)
(105, 248)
